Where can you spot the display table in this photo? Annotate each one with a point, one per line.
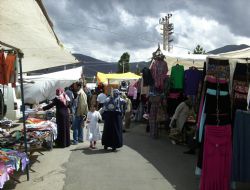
(11, 161)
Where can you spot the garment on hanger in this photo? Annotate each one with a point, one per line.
(9, 67)
(2, 67)
(218, 68)
(159, 72)
(147, 77)
(166, 86)
(214, 110)
(154, 101)
(1, 104)
(240, 87)
(193, 78)
(177, 77)
(216, 169)
(241, 147)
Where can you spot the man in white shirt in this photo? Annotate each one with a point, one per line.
(101, 99)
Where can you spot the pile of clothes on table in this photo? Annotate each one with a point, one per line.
(11, 161)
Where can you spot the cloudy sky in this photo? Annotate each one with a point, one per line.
(105, 29)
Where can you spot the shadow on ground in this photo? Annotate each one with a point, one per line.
(88, 151)
(168, 159)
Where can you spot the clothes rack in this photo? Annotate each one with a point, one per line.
(20, 56)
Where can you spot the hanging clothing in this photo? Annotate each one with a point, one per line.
(159, 70)
(2, 67)
(166, 86)
(193, 78)
(212, 89)
(218, 68)
(147, 77)
(144, 90)
(242, 72)
(10, 67)
(174, 98)
(216, 169)
(177, 77)
(241, 147)
(14, 76)
(154, 104)
(240, 87)
(1, 105)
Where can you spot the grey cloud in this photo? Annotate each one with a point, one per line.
(100, 22)
(97, 21)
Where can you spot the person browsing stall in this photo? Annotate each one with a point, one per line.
(62, 118)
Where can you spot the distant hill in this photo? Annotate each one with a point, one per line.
(91, 66)
(228, 48)
(85, 58)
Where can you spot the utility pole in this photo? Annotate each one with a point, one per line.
(167, 31)
(123, 63)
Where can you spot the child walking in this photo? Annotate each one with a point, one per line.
(93, 131)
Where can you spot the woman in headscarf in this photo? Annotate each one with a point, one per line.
(62, 118)
(114, 108)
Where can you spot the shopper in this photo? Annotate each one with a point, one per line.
(70, 94)
(80, 114)
(182, 112)
(101, 98)
(93, 130)
(93, 101)
(62, 118)
(112, 116)
(128, 111)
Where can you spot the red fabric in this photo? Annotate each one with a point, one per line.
(217, 157)
(9, 67)
(2, 67)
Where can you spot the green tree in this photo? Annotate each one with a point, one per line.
(123, 63)
(199, 50)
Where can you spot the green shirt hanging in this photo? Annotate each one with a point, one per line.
(177, 77)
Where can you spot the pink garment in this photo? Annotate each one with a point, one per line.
(214, 80)
(131, 90)
(217, 156)
(159, 71)
(135, 94)
(62, 96)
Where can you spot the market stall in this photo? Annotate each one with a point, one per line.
(222, 115)
(113, 80)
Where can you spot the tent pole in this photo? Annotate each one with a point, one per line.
(20, 56)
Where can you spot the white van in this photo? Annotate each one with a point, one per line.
(12, 101)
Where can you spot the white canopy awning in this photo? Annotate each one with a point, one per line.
(43, 87)
(187, 60)
(26, 25)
